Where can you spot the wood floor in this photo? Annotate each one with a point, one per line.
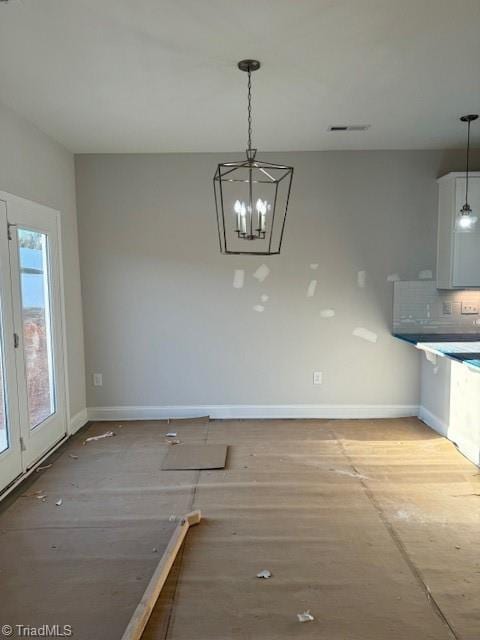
(373, 526)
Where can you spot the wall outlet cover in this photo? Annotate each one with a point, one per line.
(97, 380)
(469, 308)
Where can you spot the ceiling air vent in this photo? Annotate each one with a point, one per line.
(348, 127)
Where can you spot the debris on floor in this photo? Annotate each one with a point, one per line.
(171, 434)
(47, 466)
(306, 616)
(351, 474)
(108, 434)
(34, 494)
(174, 442)
(70, 455)
(59, 502)
(264, 573)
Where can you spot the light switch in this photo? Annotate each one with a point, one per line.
(317, 377)
(446, 308)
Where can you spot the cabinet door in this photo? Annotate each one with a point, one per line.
(466, 244)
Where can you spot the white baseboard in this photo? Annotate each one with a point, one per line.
(239, 411)
(78, 421)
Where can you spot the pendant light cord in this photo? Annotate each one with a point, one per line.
(250, 109)
(468, 155)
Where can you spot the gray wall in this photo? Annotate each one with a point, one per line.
(33, 166)
(164, 324)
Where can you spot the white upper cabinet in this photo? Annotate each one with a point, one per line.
(458, 250)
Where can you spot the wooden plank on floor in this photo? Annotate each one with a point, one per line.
(144, 608)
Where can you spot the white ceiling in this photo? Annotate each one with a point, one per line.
(160, 75)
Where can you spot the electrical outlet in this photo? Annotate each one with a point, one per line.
(317, 377)
(469, 308)
(97, 380)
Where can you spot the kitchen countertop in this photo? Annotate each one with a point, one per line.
(462, 347)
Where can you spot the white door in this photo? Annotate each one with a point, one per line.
(37, 317)
(10, 450)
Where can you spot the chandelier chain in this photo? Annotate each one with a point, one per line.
(249, 109)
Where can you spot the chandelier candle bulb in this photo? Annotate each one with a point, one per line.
(262, 213)
(244, 220)
(238, 210)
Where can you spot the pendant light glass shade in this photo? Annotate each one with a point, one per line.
(251, 197)
(466, 218)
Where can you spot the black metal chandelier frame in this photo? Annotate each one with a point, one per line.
(258, 172)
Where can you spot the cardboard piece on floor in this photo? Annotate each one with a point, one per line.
(196, 456)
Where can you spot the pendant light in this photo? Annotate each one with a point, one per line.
(466, 219)
(251, 196)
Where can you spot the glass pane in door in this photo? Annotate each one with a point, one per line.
(3, 407)
(37, 330)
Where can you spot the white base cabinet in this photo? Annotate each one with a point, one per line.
(450, 403)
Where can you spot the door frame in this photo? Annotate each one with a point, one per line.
(11, 457)
(11, 201)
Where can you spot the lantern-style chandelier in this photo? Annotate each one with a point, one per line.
(251, 196)
(466, 219)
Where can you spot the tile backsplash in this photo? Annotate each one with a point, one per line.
(419, 307)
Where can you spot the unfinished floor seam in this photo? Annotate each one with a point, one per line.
(171, 615)
(400, 546)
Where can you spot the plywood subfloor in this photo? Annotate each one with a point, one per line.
(372, 525)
